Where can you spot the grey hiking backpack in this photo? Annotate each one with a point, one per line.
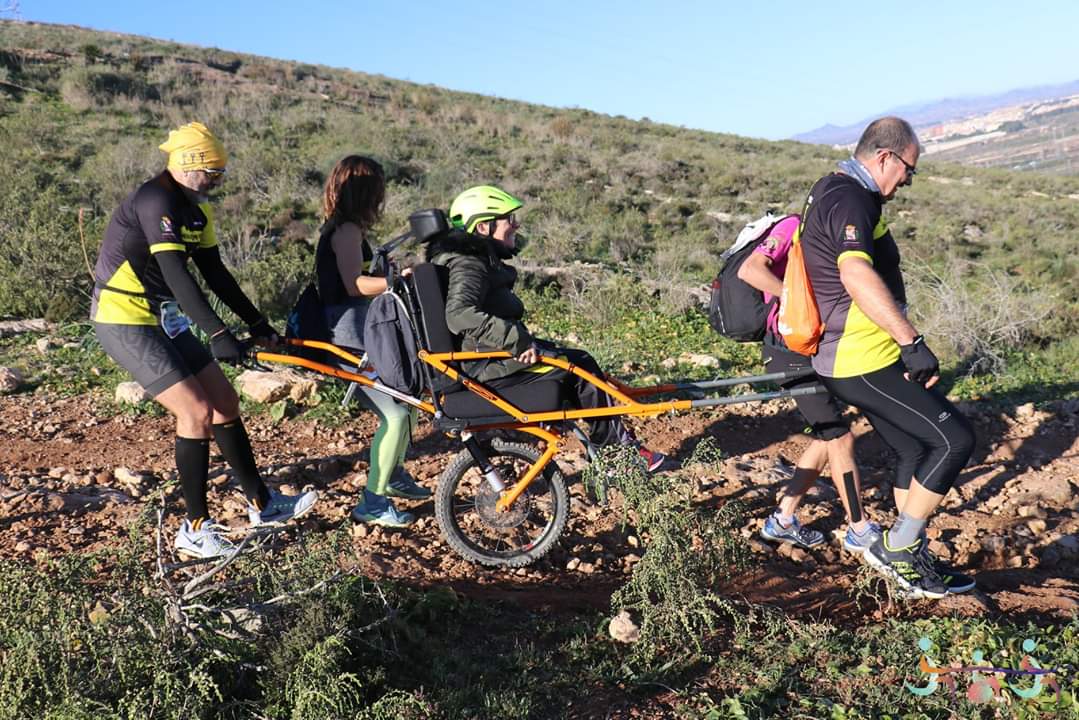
(389, 336)
(390, 341)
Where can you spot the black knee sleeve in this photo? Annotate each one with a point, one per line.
(192, 464)
(830, 430)
(232, 439)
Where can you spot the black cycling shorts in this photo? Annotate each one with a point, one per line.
(932, 439)
(156, 361)
(821, 411)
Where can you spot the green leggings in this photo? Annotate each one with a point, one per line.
(388, 447)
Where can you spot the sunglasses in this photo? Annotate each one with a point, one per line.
(511, 219)
(215, 175)
(911, 170)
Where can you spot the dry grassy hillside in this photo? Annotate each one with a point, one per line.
(82, 112)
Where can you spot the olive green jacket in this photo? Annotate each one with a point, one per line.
(480, 305)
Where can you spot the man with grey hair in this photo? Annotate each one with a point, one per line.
(872, 357)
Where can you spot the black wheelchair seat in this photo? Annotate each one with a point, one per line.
(524, 390)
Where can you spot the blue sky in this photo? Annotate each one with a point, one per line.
(762, 69)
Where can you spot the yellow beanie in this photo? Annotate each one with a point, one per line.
(194, 147)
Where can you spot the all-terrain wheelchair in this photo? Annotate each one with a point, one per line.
(504, 502)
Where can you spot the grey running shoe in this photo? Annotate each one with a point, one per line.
(910, 566)
(386, 516)
(858, 543)
(794, 533)
(281, 508)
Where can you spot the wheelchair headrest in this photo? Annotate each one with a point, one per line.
(427, 224)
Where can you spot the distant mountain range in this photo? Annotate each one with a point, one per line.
(941, 111)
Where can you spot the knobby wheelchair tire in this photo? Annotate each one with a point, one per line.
(464, 508)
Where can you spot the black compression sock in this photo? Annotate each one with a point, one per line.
(192, 464)
(232, 438)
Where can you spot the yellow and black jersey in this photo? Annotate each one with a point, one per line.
(129, 286)
(844, 221)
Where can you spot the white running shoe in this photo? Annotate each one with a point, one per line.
(205, 543)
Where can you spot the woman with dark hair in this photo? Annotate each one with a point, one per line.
(351, 204)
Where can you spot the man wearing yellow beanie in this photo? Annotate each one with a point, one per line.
(194, 147)
(144, 301)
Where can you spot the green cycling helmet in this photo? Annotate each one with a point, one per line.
(479, 204)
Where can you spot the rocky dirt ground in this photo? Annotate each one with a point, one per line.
(75, 473)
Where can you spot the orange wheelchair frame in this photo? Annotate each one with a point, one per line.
(501, 496)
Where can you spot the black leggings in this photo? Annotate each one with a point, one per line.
(931, 437)
(582, 394)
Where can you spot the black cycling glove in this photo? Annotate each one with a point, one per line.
(263, 330)
(226, 348)
(920, 361)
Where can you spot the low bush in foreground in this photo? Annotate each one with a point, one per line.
(289, 631)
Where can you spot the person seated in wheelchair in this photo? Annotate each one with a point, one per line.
(483, 310)
(351, 203)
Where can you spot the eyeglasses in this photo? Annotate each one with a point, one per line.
(215, 175)
(511, 219)
(911, 170)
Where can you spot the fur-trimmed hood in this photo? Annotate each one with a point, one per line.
(458, 242)
(466, 243)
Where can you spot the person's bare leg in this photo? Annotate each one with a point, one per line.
(806, 471)
(189, 404)
(222, 396)
(847, 480)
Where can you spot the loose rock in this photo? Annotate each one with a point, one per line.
(10, 379)
(45, 344)
(698, 359)
(269, 387)
(993, 544)
(131, 393)
(623, 629)
(263, 387)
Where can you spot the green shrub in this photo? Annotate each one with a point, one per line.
(689, 551)
(41, 241)
(274, 282)
(84, 88)
(65, 649)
